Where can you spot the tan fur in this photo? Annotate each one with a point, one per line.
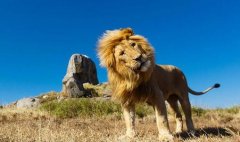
(123, 79)
(151, 85)
(133, 77)
(173, 84)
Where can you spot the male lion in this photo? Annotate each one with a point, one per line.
(134, 77)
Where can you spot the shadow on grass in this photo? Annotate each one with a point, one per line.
(210, 131)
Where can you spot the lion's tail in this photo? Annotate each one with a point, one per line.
(205, 91)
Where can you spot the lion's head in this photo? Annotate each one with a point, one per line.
(126, 54)
(129, 59)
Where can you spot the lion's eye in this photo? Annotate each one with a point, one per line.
(121, 53)
(133, 44)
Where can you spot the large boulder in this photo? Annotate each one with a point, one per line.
(28, 103)
(81, 69)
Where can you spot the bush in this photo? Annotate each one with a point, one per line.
(233, 110)
(88, 107)
(198, 111)
(143, 110)
(80, 107)
(230, 110)
(50, 96)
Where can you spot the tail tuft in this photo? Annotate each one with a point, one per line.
(217, 85)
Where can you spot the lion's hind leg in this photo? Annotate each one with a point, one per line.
(186, 106)
(173, 102)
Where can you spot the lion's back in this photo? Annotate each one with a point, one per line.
(170, 79)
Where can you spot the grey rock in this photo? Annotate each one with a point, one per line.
(28, 103)
(81, 69)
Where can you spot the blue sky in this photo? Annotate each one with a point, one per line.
(202, 38)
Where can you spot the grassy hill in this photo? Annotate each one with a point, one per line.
(99, 120)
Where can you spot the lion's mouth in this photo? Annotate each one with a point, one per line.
(144, 66)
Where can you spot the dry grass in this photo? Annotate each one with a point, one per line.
(35, 125)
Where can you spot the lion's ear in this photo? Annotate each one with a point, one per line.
(126, 33)
(127, 30)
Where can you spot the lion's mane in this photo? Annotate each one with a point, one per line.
(127, 86)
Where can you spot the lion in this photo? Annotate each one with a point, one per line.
(134, 77)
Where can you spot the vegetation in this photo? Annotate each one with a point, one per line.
(231, 110)
(97, 90)
(198, 111)
(80, 107)
(47, 97)
(85, 119)
(86, 107)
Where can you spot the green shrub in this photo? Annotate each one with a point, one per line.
(49, 96)
(233, 110)
(88, 107)
(143, 110)
(198, 111)
(80, 107)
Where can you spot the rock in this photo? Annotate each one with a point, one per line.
(81, 69)
(101, 89)
(28, 103)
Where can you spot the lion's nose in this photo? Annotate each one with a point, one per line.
(138, 58)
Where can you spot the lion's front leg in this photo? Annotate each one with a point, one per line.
(161, 117)
(129, 116)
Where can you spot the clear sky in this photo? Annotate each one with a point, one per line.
(202, 38)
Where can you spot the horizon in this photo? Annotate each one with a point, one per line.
(202, 38)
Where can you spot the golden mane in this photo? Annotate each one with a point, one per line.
(125, 83)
